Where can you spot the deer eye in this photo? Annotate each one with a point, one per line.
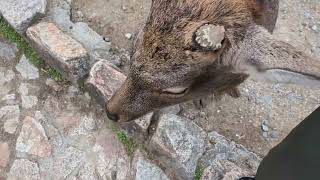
(176, 90)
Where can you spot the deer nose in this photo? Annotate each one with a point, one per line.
(113, 117)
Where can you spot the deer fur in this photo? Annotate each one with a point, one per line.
(170, 66)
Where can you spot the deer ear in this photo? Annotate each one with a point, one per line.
(263, 57)
(210, 36)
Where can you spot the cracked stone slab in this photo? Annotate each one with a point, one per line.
(20, 14)
(179, 143)
(225, 158)
(24, 169)
(144, 169)
(26, 69)
(103, 81)
(32, 139)
(60, 50)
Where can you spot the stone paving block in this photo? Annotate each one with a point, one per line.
(59, 50)
(144, 169)
(223, 171)
(21, 13)
(179, 143)
(103, 81)
(111, 159)
(24, 169)
(225, 158)
(32, 139)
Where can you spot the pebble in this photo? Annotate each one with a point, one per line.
(128, 35)
(314, 28)
(264, 126)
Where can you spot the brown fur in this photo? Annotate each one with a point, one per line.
(165, 54)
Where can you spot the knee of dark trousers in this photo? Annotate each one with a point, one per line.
(297, 157)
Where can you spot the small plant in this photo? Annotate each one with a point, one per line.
(7, 32)
(199, 172)
(128, 143)
(54, 74)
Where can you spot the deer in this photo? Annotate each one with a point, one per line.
(190, 49)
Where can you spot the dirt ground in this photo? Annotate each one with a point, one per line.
(265, 113)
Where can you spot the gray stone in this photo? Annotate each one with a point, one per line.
(11, 125)
(138, 129)
(24, 169)
(20, 14)
(144, 169)
(23, 89)
(67, 162)
(9, 112)
(106, 159)
(26, 69)
(10, 99)
(103, 81)
(128, 35)
(86, 125)
(171, 110)
(223, 171)
(96, 45)
(6, 76)
(60, 50)
(314, 28)
(29, 101)
(7, 52)
(87, 171)
(222, 152)
(264, 126)
(32, 139)
(111, 158)
(274, 134)
(179, 143)
(5, 154)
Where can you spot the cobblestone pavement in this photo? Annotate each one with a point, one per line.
(52, 130)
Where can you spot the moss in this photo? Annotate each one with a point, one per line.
(128, 143)
(8, 33)
(199, 172)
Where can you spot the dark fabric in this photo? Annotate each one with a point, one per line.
(297, 157)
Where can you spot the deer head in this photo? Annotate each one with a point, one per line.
(189, 49)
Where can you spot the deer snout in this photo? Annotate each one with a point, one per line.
(111, 116)
(123, 105)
